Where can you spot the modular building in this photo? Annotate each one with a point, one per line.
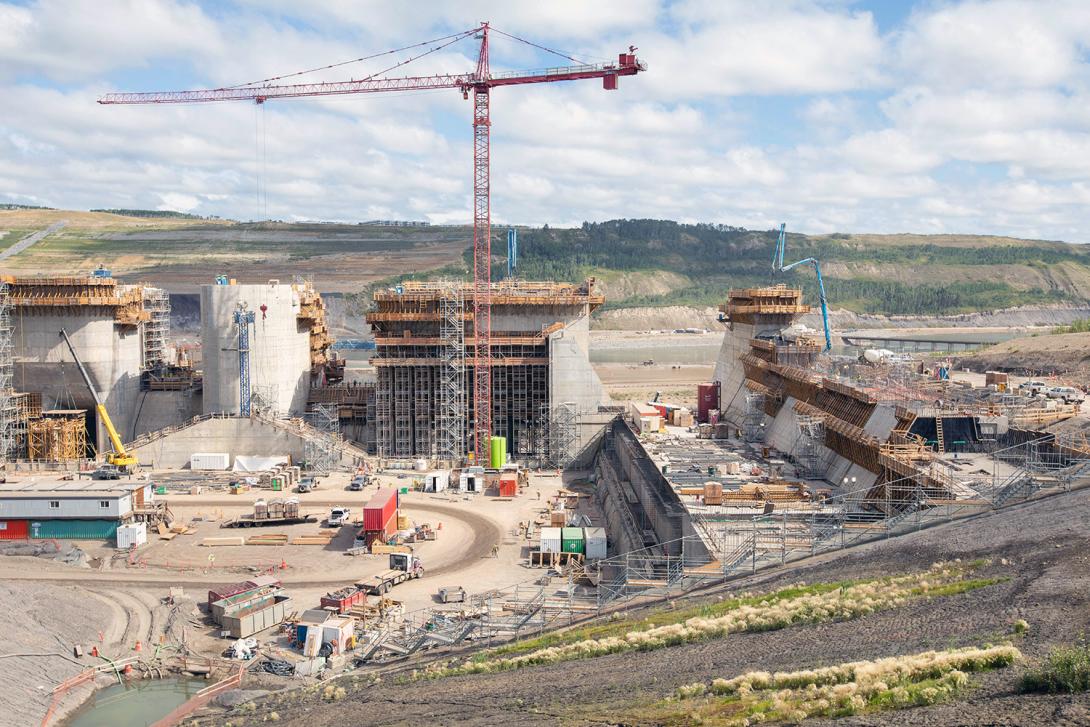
(78, 509)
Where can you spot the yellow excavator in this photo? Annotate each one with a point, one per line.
(119, 457)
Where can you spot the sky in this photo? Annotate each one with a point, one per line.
(886, 116)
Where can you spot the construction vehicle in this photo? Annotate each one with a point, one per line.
(403, 567)
(779, 267)
(119, 457)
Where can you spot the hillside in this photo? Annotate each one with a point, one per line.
(1021, 563)
(639, 263)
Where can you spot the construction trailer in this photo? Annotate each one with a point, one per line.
(543, 386)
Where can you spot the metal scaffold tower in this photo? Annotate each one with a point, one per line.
(452, 408)
(156, 330)
(752, 429)
(243, 320)
(563, 420)
(8, 408)
(263, 400)
(811, 434)
(321, 448)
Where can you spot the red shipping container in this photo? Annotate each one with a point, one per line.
(707, 398)
(508, 485)
(344, 601)
(377, 512)
(14, 530)
(663, 411)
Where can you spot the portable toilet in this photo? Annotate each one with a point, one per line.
(436, 480)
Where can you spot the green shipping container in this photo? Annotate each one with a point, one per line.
(74, 529)
(160, 490)
(571, 540)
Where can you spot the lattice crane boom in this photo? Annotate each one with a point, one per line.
(478, 84)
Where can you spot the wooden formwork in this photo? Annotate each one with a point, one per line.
(58, 438)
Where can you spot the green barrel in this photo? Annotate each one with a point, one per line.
(498, 452)
(571, 540)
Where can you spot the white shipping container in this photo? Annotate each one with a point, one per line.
(597, 546)
(550, 540)
(132, 534)
(210, 461)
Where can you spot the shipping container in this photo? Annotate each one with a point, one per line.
(248, 623)
(437, 481)
(210, 461)
(14, 530)
(218, 593)
(597, 545)
(344, 599)
(707, 398)
(247, 600)
(378, 511)
(73, 529)
(550, 540)
(571, 540)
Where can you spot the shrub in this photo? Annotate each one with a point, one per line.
(1065, 670)
(1020, 626)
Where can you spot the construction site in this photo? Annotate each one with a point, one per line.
(251, 511)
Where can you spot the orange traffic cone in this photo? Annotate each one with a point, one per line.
(138, 646)
(94, 651)
(283, 564)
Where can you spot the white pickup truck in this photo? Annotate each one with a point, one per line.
(339, 516)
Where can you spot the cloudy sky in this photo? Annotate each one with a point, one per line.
(832, 115)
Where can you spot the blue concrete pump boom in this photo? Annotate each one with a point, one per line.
(779, 267)
(512, 251)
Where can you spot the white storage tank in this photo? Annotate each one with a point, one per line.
(597, 546)
(550, 540)
(210, 461)
(132, 534)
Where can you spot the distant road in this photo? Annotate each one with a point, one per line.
(31, 240)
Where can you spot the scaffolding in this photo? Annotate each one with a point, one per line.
(753, 422)
(157, 328)
(321, 449)
(811, 434)
(8, 406)
(452, 410)
(265, 400)
(563, 432)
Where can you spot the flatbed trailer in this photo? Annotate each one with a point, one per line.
(403, 567)
(249, 521)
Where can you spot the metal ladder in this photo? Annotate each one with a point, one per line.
(939, 438)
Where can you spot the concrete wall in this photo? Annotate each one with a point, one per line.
(157, 410)
(234, 435)
(729, 371)
(279, 347)
(571, 377)
(113, 357)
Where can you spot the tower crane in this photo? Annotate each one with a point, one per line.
(779, 267)
(478, 82)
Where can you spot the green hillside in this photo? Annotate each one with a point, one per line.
(894, 274)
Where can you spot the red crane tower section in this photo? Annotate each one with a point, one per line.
(479, 83)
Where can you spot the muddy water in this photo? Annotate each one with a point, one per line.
(138, 704)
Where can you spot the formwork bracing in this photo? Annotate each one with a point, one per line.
(59, 436)
(424, 376)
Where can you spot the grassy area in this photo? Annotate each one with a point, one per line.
(836, 691)
(1065, 670)
(1080, 326)
(801, 604)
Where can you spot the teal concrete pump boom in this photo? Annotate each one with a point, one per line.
(779, 267)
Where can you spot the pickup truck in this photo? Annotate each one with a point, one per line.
(339, 516)
(307, 484)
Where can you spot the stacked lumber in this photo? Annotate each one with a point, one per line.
(223, 541)
(319, 538)
(268, 539)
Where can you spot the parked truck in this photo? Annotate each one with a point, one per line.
(403, 567)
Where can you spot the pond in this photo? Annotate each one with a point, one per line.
(139, 703)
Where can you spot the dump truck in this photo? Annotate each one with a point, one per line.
(403, 567)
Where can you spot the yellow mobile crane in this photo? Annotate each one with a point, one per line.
(119, 457)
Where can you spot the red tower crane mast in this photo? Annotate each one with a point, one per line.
(479, 83)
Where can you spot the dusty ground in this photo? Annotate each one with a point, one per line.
(1066, 355)
(1045, 543)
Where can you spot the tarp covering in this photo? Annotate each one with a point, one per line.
(254, 463)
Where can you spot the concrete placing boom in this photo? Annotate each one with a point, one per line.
(779, 267)
(478, 82)
(120, 457)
